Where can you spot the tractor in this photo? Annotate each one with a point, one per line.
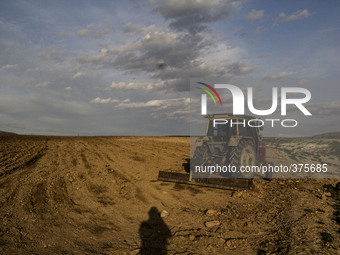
(231, 140)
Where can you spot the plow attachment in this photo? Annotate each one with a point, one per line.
(219, 183)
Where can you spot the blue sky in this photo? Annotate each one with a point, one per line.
(123, 67)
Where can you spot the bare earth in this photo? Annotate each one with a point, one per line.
(90, 195)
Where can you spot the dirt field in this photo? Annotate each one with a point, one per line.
(99, 195)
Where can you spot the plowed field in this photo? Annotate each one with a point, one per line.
(99, 195)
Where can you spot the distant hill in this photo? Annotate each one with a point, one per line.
(330, 135)
(6, 133)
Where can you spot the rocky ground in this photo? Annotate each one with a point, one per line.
(100, 195)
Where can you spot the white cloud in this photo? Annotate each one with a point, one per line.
(153, 40)
(82, 32)
(274, 77)
(282, 16)
(158, 103)
(85, 31)
(42, 84)
(237, 4)
(120, 101)
(101, 101)
(134, 86)
(95, 59)
(125, 86)
(255, 15)
(77, 75)
(8, 66)
(301, 14)
(298, 15)
(68, 88)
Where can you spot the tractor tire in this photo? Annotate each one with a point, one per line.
(200, 155)
(243, 155)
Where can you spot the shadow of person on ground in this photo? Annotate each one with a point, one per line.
(154, 234)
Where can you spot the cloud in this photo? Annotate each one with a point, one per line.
(125, 86)
(193, 15)
(101, 33)
(178, 79)
(169, 59)
(67, 88)
(77, 75)
(259, 30)
(274, 77)
(157, 53)
(51, 53)
(95, 59)
(298, 15)
(302, 82)
(237, 4)
(160, 104)
(42, 84)
(239, 68)
(97, 31)
(136, 29)
(255, 15)
(174, 49)
(134, 86)
(85, 31)
(301, 14)
(8, 66)
(99, 100)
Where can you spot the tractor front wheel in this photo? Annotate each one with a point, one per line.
(200, 156)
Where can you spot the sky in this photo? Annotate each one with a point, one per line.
(124, 67)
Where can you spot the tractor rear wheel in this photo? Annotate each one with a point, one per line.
(243, 155)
